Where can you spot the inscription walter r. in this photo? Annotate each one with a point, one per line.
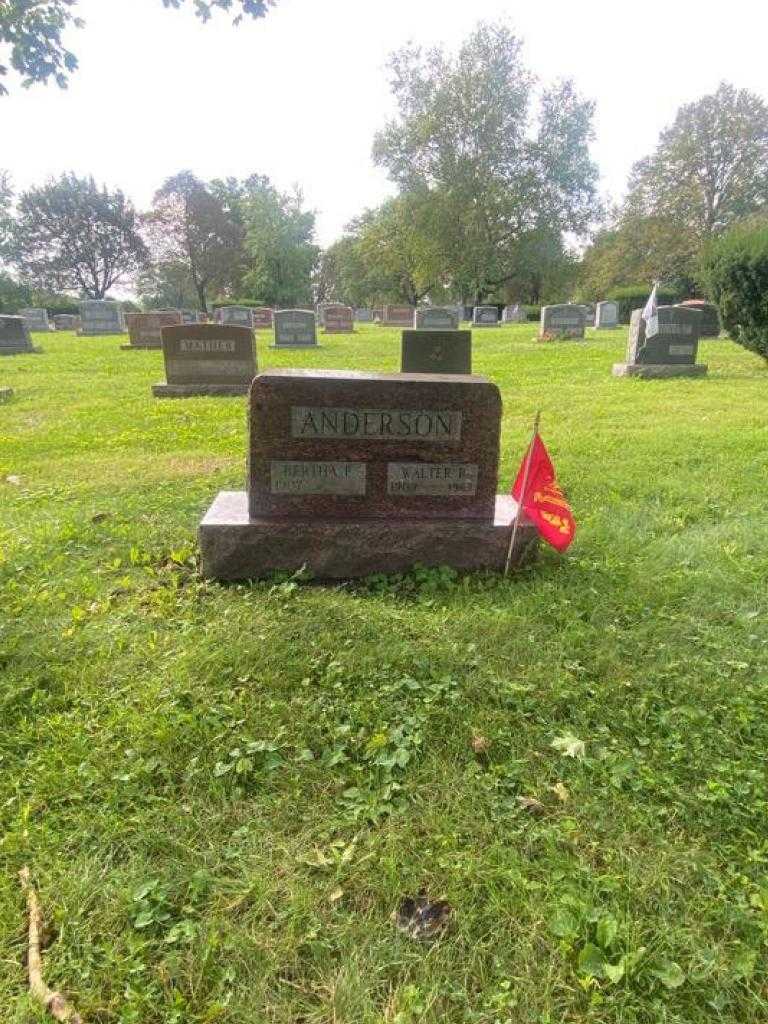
(440, 426)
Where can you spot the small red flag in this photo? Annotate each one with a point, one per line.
(543, 501)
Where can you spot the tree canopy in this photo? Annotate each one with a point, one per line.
(71, 235)
(31, 33)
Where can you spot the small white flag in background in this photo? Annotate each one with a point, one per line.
(651, 306)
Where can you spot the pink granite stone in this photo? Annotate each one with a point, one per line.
(327, 444)
(338, 319)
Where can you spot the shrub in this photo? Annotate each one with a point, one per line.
(532, 313)
(735, 268)
(635, 296)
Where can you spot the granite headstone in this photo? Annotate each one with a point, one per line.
(485, 316)
(66, 322)
(338, 319)
(436, 318)
(664, 346)
(295, 328)
(710, 317)
(100, 316)
(352, 473)
(36, 319)
(562, 322)
(513, 314)
(398, 316)
(364, 315)
(433, 351)
(262, 317)
(14, 336)
(607, 315)
(238, 315)
(144, 329)
(207, 359)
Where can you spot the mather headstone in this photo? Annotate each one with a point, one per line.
(207, 359)
(607, 315)
(398, 316)
(710, 318)
(262, 317)
(66, 322)
(14, 336)
(665, 346)
(99, 316)
(436, 318)
(338, 319)
(485, 316)
(431, 351)
(36, 319)
(513, 315)
(144, 329)
(295, 328)
(352, 473)
(561, 322)
(239, 315)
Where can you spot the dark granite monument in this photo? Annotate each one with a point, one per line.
(338, 319)
(14, 336)
(562, 322)
(431, 351)
(665, 346)
(295, 328)
(710, 317)
(144, 329)
(353, 473)
(100, 316)
(207, 359)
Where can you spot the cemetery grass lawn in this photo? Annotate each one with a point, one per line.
(224, 791)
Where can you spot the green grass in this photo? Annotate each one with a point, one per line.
(224, 791)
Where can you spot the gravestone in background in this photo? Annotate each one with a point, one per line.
(710, 317)
(100, 316)
(262, 317)
(207, 359)
(66, 322)
(665, 346)
(561, 322)
(144, 328)
(189, 316)
(432, 351)
(364, 316)
(436, 318)
(607, 315)
(589, 314)
(36, 319)
(338, 319)
(295, 328)
(513, 314)
(238, 315)
(352, 473)
(14, 336)
(485, 316)
(398, 316)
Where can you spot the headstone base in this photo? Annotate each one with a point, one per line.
(650, 371)
(148, 347)
(6, 394)
(234, 547)
(192, 390)
(35, 350)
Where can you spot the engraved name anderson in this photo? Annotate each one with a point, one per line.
(382, 424)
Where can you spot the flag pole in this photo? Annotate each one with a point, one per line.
(526, 472)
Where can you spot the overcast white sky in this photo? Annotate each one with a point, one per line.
(299, 94)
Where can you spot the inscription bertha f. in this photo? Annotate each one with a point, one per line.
(443, 425)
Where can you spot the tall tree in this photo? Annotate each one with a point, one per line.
(70, 235)
(710, 168)
(31, 32)
(191, 225)
(279, 243)
(464, 134)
